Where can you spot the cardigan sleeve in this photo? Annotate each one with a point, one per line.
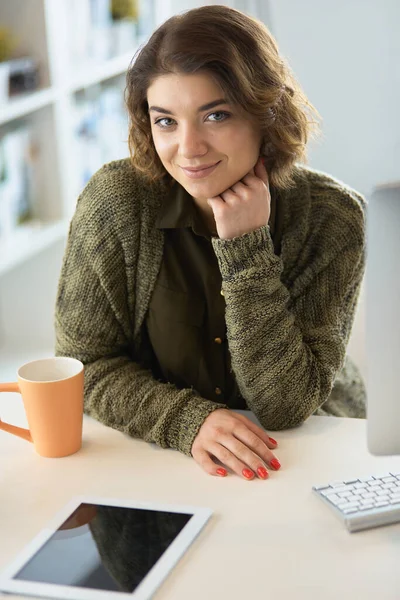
(288, 333)
(93, 323)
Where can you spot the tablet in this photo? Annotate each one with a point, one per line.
(100, 548)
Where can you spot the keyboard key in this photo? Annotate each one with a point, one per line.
(349, 505)
(333, 498)
(381, 503)
(388, 486)
(388, 479)
(340, 488)
(360, 486)
(366, 507)
(394, 496)
(358, 493)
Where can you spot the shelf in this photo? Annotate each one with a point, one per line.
(95, 72)
(22, 105)
(28, 240)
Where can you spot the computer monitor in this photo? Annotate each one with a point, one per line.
(383, 320)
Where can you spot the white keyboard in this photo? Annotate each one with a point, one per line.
(364, 503)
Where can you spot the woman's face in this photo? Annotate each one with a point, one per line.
(204, 142)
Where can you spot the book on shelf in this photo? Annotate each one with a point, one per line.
(17, 177)
(107, 28)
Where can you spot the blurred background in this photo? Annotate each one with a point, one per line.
(62, 115)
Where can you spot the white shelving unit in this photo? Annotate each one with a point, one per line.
(55, 102)
(30, 258)
(24, 105)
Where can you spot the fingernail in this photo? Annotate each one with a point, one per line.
(222, 473)
(275, 464)
(273, 441)
(263, 473)
(248, 474)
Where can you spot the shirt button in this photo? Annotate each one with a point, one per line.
(218, 340)
(218, 391)
(222, 293)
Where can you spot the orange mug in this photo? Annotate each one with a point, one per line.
(52, 393)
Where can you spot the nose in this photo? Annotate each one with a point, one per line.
(192, 142)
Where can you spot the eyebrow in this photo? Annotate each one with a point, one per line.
(200, 109)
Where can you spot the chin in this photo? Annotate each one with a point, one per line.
(202, 189)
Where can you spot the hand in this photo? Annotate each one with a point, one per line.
(236, 442)
(243, 207)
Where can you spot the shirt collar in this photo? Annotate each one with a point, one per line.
(178, 211)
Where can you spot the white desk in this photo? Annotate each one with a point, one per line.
(267, 539)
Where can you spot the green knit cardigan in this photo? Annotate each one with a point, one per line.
(288, 317)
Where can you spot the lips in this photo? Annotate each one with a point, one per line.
(201, 171)
(201, 168)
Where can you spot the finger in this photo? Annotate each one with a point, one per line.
(204, 460)
(230, 198)
(259, 431)
(259, 450)
(216, 204)
(240, 189)
(229, 459)
(243, 451)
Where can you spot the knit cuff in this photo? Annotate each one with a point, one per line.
(251, 250)
(182, 432)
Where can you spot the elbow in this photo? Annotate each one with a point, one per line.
(284, 421)
(289, 415)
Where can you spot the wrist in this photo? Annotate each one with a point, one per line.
(250, 250)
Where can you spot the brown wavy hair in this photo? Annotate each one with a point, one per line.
(242, 56)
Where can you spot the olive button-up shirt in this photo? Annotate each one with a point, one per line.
(186, 319)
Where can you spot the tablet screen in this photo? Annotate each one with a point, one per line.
(106, 548)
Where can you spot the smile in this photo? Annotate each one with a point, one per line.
(199, 172)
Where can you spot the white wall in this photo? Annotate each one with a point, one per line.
(346, 55)
(27, 301)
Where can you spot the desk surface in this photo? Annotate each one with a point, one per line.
(269, 538)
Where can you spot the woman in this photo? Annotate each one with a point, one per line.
(211, 271)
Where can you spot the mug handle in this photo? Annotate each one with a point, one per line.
(19, 431)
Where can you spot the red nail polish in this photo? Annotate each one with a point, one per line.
(221, 472)
(273, 441)
(275, 464)
(248, 474)
(263, 473)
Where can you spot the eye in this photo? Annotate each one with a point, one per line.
(219, 115)
(164, 122)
